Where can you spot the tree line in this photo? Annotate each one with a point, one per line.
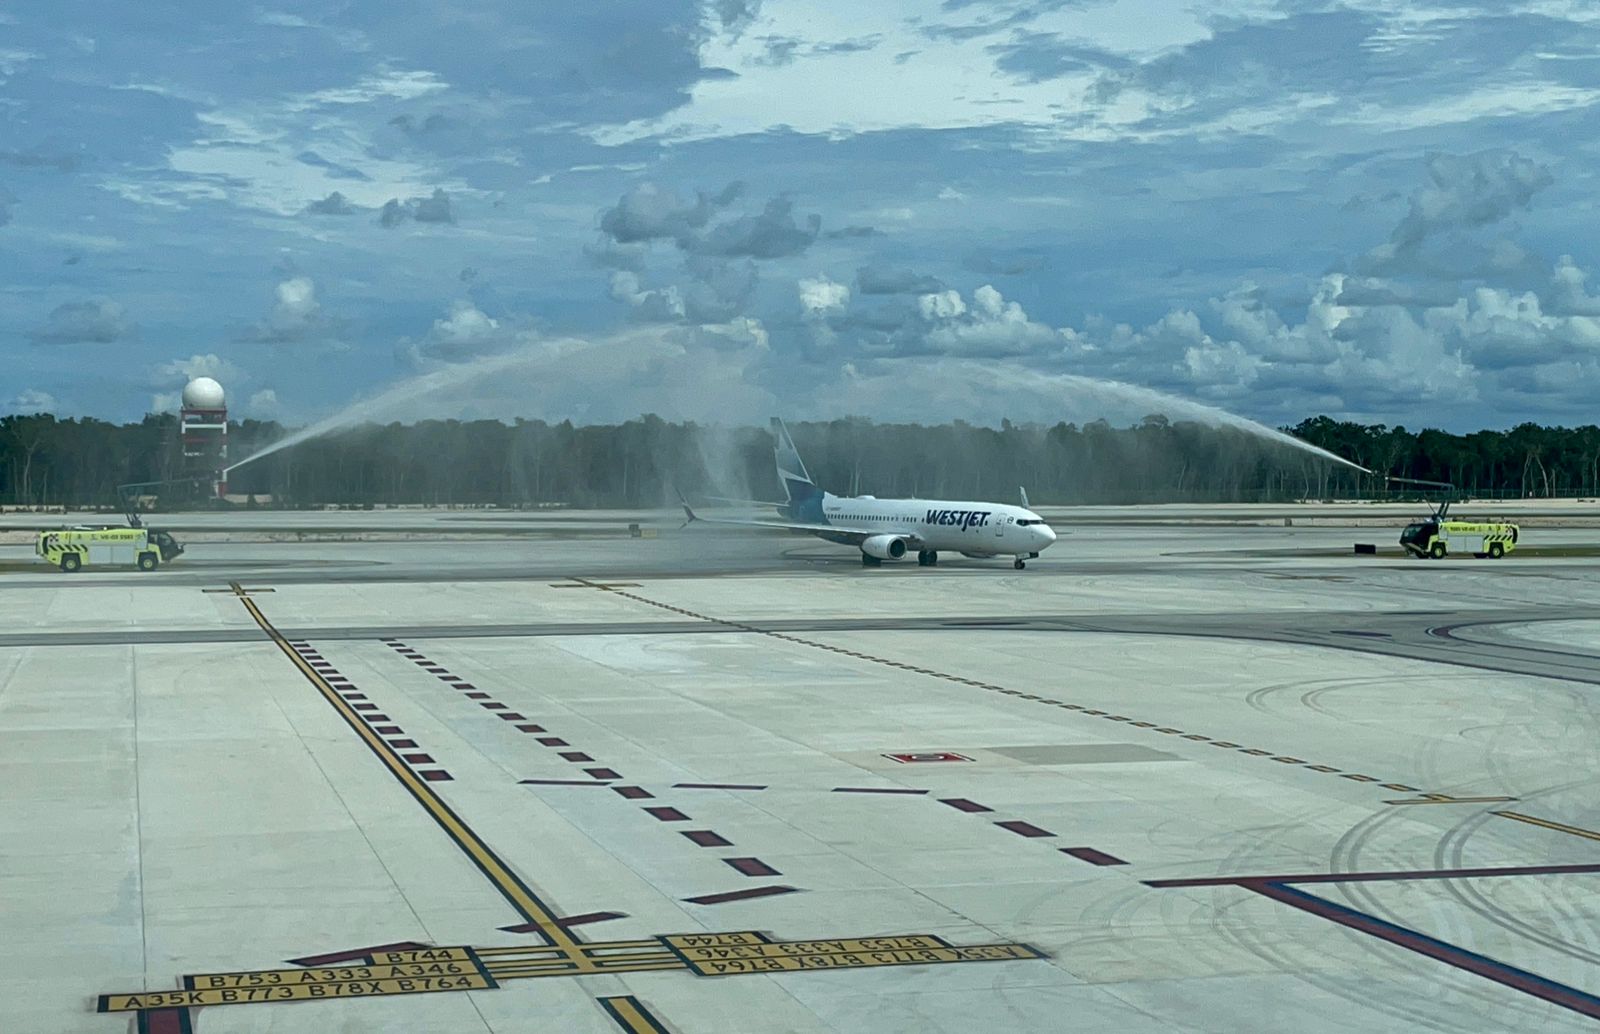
(46, 461)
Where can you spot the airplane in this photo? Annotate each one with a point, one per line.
(887, 529)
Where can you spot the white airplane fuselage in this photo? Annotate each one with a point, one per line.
(962, 526)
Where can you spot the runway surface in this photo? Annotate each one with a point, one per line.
(1172, 777)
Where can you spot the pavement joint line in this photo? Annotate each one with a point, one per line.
(1280, 758)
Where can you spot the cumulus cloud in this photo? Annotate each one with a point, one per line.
(989, 326)
(772, 234)
(1570, 294)
(465, 332)
(263, 404)
(658, 305)
(297, 316)
(182, 371)
(334, 204)
(734, 16)
(648, 213)
(96, 321)
(31, 400)
(822, 297)
(876, 280)
(1463, 192)
(435, 208)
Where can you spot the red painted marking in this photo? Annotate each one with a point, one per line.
(530, 728)
(552, 741)
(962, 804)
(668, 814)
(633, 793)
(365, 707)
(566, 921)
(418, 759)
(1026, 829)
(706, 838)
(477, 696)
(433, 669)
(752, 867)
(353, 954)
(376, 717)
(937, 755)
(164, 1021)
(403, 744)
(575, 755)
(492, 705)
(717, 786)
(465, 685)
(1093, 857)
(355, 696)
(875, 789)
(741, 895)
(512, 716)
(388, 730)
(437, 775)
(603, 773)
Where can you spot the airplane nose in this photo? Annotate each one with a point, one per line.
(1045, 534)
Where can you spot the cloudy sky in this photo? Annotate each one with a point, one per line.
(1377, 209)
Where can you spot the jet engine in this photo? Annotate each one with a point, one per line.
(884, 547)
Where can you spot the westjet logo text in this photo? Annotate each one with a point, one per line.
(963, 519)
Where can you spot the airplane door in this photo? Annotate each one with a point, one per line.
(1000, 528)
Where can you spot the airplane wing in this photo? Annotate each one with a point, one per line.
(838, 532)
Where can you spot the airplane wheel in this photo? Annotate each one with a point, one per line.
(867, 560)
(927, 558)
(1019, 563)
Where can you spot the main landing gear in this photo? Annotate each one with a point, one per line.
(928, 558)
(868, 560)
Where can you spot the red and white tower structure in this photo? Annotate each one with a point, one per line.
(203, 423)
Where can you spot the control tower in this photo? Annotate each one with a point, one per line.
(203, 423)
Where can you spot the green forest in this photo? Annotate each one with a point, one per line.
(79, 463)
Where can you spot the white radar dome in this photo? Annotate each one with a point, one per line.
(202, 393)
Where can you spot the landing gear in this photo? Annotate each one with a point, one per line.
(1019, 563)
(868, 560)
(928, 558)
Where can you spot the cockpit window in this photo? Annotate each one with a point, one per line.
(1025, 521)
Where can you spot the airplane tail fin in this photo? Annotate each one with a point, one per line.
(803, 495)
(1024, 490)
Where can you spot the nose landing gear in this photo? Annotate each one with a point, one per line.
(1019, 563)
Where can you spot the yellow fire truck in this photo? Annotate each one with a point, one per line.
(1438, 537)
(73, 548)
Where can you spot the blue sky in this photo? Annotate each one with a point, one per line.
(1378, 210)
